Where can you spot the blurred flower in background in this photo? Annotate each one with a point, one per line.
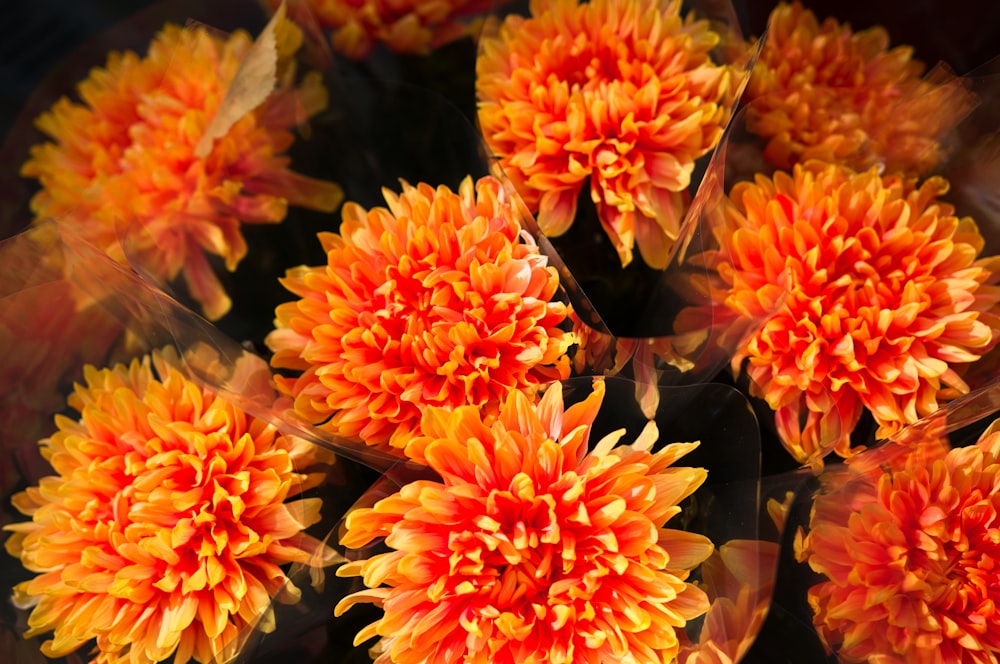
(38, 366)
(48, 329)
(739, 576)
(355, 27)
(823, 91)
(908, 555)
(130, 162)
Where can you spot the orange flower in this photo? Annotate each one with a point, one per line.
(531, 548)
(439, 300)
(128, 157)
(620, 93)
(884, 299)
(405, 26)
(163, 530)
(909, 560)
(825, 92)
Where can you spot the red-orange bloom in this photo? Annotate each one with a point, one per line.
(404, 26)
(164, 528)
(439, 300)
(530, 548)
(619, 93)
(910, 560)
(825, 92)
(885, 297)
(128, 156)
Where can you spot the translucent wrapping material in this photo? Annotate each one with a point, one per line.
(726, 508)
(924, 499)
(159, 321)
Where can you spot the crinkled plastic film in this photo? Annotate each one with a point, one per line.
(741, 156)
(843, 513)
(356, 144)
(382, 124)
(727, 508)
(121, 317)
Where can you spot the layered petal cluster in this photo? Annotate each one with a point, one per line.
(406, 26)
(909, 560)
(128, 157)
(872, 294)
(615, 96)
(164, 528)
(531, 548)
(822, 91)
(437, 300)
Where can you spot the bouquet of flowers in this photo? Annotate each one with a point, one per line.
(606, 331)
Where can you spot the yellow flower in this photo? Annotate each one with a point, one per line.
(439, 300)
(531, 548)
(619, 95)
(165, 527)
(126, 158)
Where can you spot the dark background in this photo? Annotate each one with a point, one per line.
(57, 41)
(46, 46)
(35, 35)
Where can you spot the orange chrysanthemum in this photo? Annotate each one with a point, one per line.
(128, 157)
(885, 297)
(910, 560)
(530, 548)
(404, 26)
(621, 94)
(164, 528)
(825, 92)
(439, 300)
